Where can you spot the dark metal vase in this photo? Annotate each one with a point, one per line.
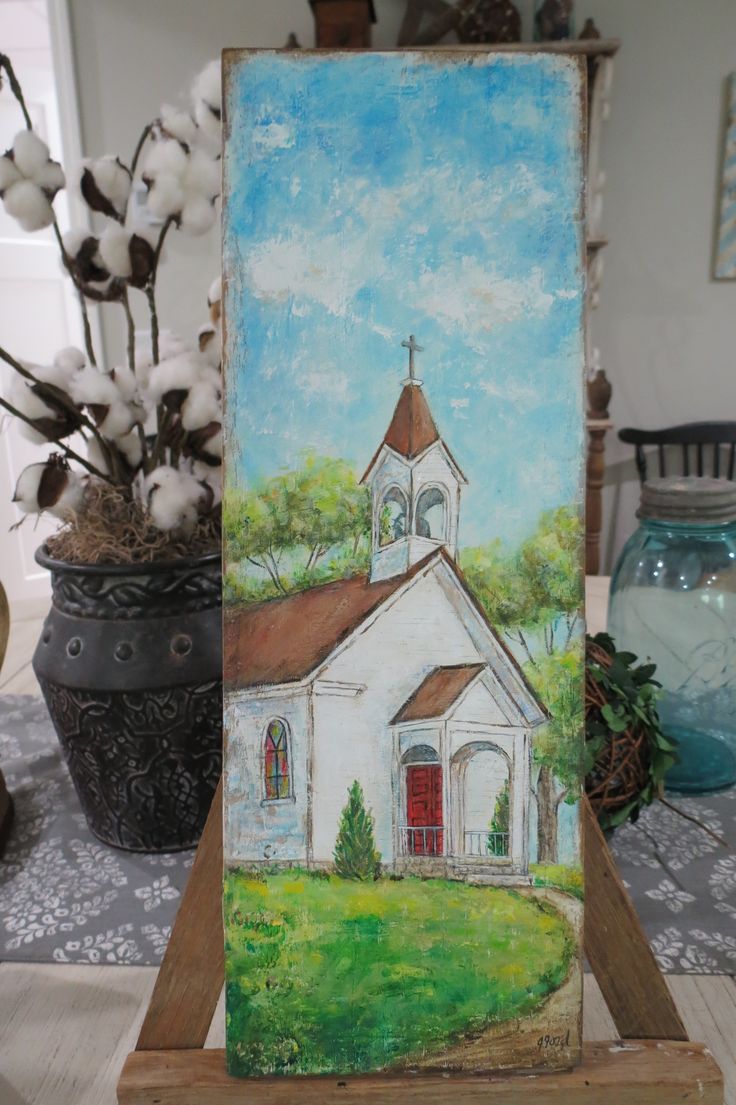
(130, 665)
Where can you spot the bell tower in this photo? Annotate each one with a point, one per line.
(415, 484)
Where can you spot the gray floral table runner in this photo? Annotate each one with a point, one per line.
(67, 898)
(64, 896)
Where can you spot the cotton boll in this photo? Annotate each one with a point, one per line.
(45, 418)
(94, 388)
(202, 405)
(173, 498)
(50, 178)
(9, 174)
(207, 99)
(169, 345)
(178, 124)
(48, 422)
(213, 445)
(30, 153)
(198, 215)
(73, 241)
(214, 295)
(96, 455)
(165, 158)
(170, 380)
(105, 185)
(115, 250)
(27, 203)
(126, 383)
(25, 495)
(205, 443)
(70, 359)
(118, 419)
(210, 345)
(131, 448)
(165, 197)
(203, 175)
(51, 486)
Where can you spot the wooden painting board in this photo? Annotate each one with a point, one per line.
(399, 762)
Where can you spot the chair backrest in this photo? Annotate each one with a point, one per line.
(701, 442)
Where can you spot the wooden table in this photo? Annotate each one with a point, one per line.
(66, 1029)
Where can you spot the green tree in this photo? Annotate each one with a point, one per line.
(299, 527)
(499, 821)
(535, 589)
(559, 744)
(355, 852)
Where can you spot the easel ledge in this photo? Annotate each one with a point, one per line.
(652, 1064)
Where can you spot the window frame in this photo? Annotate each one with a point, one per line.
(267, 799)
(393, 487)
(444, 492)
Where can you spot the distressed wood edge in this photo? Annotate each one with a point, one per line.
(641, 1072)
(192, 973)
(617, 948)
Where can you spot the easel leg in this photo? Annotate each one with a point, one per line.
(169, 1066)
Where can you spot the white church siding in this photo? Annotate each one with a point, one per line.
(415, 633)
(260, 829)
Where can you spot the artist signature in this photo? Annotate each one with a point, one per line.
(545, 1042)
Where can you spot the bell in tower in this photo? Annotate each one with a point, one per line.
(415, 485)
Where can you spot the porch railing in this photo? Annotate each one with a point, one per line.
(481, 842)
(422, 840)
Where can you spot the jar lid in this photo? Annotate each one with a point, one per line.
(697, 499)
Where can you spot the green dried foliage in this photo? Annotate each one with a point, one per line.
(631, 695)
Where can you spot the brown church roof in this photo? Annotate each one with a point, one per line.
(412, 428)
(283, 640)
(441, 688)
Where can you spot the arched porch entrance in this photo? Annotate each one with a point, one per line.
(481, 797)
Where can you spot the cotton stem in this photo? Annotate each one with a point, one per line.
(15, 88)
(68, 451)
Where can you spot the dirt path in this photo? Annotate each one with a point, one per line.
(520, 1042)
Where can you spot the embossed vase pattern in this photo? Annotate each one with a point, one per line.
(129, 662)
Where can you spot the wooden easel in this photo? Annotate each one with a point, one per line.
(657, 1065)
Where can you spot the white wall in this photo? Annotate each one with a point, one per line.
(665, 329)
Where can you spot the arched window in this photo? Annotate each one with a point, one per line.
(432, 514)
(392, 520)
(277, 780)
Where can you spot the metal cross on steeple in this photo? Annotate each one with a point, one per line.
(413, 348)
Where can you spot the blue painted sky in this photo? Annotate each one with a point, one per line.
(380, 195)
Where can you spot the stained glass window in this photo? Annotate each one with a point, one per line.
(277, 782)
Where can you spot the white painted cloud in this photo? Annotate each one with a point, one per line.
(307, 266)
(328, 383)
(474, 299)
(272, 136)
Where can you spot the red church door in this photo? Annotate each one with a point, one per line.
(424, 809)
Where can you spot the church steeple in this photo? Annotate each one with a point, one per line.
(415, 484)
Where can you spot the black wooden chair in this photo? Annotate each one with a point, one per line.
(713, 446)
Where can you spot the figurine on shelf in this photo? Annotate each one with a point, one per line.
(489, 21)
(589, 30)
(553, 20)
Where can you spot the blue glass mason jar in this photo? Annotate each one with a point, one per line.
(673, 600)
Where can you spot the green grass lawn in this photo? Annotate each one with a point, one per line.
(325, 974)
(560, 876)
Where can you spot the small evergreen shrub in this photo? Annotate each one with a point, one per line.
(355, 852)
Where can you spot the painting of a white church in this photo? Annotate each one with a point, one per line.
(395, 679)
